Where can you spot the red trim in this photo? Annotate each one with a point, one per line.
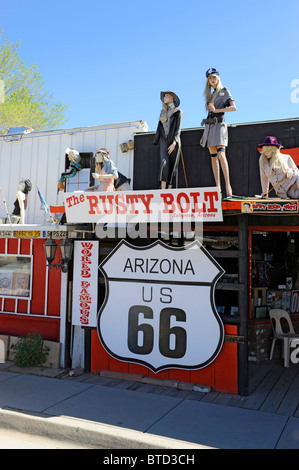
(17, 325)
(294, 153)
(57, 209)
(231, 205)
(275, 228)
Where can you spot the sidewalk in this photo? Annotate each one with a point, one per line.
(115, 418)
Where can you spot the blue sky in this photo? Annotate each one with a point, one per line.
(109, 60)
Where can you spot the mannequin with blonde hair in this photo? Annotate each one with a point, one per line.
(278, 169)
(218, 101)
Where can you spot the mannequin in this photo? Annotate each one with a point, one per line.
(20, 204)
(218, 101)
(278, 169)
(106, 172)
(74, 157)
(168, 136)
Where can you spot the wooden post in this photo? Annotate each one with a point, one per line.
(243, 298)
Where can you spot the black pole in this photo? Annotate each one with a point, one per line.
(87, 349)
(243, 299)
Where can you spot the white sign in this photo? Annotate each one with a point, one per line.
(85, 283)
(176, 205)
(159, 308)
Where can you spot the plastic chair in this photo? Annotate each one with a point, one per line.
(276, 315)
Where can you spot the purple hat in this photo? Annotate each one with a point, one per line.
(211, 71)
(270, 140)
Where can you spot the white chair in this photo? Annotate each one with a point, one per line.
(276, 315)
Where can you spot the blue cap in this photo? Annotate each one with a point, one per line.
(211, 71)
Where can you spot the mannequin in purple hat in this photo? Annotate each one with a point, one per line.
(278, 169)
(218, 101)
(168, 136)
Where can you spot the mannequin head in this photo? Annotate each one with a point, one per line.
(168, 99)
(213, 80)
(72, 154)
(269, 151)
(213, 83)
(101, 157)
(270, 155)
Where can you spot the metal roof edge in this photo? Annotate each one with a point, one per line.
(75, 130)
(231, 125)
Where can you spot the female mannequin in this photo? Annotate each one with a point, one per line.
(218, 101)
(278, 169)
(74, 157)
(105, 171)
(168, 136)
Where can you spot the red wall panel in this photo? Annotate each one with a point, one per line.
(19, 325)
(221, 374)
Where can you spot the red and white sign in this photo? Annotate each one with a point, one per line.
(176, 205)
(85, 283)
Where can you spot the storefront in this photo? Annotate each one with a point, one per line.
(33, 299)
(258, 253)
(157, 316)
(253, 247)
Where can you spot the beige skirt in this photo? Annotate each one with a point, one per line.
(215, 134)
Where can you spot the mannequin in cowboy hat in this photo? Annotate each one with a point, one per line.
(215, 136)
(168, 136)
(74, 158)
(278, 169)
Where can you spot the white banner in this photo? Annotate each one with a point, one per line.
(85, 283)
(175, 205)
(159, 308)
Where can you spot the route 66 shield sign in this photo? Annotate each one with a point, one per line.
(159, 307)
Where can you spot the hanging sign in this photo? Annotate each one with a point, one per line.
(176, 205)
(85, 283)
(273, 207)
(159, 309)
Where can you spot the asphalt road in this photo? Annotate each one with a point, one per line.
(12, 439)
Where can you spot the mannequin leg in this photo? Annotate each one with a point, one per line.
(225, 169)
(173, 165)
(216, 169)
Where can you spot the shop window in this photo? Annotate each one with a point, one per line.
(275, 271)
(79, 182)
(226, 300)
(15, 276)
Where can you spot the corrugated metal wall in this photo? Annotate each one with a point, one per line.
(40, 156)
(242, 155)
